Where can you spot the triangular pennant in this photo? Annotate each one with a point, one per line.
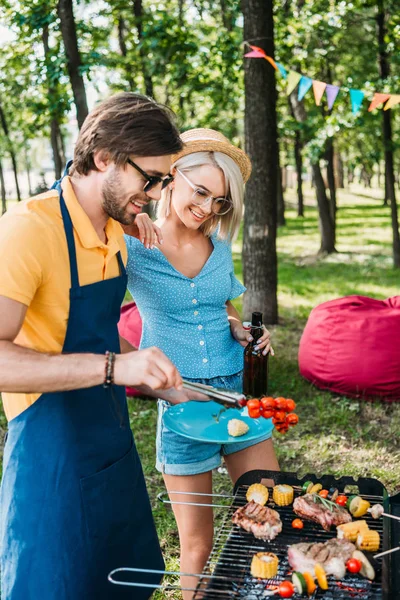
(271, 61)
(377, 100)
(293, 80)
(304, 86)
(331, 94)
(356, 98)
(255, 53)
(318, 89)
(393, 100)
(282, 69)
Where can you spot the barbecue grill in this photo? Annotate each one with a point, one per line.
(227, 572)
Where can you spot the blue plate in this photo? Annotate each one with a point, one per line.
(198, 421)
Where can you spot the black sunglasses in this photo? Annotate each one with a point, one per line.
(152, 180)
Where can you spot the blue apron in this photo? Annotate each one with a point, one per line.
(74, 503)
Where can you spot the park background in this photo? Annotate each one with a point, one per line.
(320, 214)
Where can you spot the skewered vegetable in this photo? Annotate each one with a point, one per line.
(333, 494)
(310, 583)
(307, 485)
(286, 589)
(367, 570)
(299, 582)
(323, 493)
(368, 540)
(350, 531)
(283, 495)
(236, 427)
(353, 565)
(259, 493)
(321, 576)
(316, 488)
(357, 506)
(376, 511)
(264, 565)
(341, 500)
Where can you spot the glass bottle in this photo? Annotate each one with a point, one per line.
(255, 375)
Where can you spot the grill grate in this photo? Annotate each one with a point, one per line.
(230, 559)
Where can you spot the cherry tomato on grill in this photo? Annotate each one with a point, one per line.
(353, 565)
(286, 589)
(253, 406)
(341, 500)
(267, 403)
(323, 493)
(290, 404)
(292, 419)
(297, 524)
(280, 403)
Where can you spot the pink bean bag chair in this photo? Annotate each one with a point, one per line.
(351, 346)
(130, 328)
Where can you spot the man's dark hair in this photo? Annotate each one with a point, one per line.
(126, 124)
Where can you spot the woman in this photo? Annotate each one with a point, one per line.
(183, 289)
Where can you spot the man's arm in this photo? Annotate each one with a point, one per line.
(27, 371)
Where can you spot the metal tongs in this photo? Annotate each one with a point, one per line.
(229, 399)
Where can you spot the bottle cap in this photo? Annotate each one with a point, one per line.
(246, 325)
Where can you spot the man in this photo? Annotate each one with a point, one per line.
(73, 501)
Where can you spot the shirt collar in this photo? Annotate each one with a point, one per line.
(83, 225)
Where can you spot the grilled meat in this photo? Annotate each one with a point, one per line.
(307, 508)
(332, 555)
(263, 522)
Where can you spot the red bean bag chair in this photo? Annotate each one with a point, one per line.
(130, 328)
(351, 346)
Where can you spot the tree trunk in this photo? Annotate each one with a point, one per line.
(299, 172)
(28, 168)
(3, 191)
(327, 228)
(339, 174)
(227, 19)
(10, 145)
(330, 171)
(138, 13)
(280, 198)
(387, 134)
(124, 51)
(74, 63)
(259, 234)
(52, 96)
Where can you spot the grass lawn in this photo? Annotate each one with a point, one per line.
(335, 434)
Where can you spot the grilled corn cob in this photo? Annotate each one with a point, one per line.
(283, 495)
(368, 540)
(236, 427)
(259, 493)
(264, 565)
(350, 531)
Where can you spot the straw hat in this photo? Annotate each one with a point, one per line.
(209, 140)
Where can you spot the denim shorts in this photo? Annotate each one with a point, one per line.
(178, 455)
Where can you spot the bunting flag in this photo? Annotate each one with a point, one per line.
(377, 100)
(304, 83)
(318, 89)
(293, 80)
(356, 98)
(304, 86)
(393, 100)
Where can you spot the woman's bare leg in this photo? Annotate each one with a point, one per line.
(259, 456)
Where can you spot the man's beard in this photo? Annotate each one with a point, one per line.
(111, 191)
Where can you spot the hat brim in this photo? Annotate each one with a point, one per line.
(236, 154)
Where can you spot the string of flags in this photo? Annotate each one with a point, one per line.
(304, 83)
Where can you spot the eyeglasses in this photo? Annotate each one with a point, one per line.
(152, 180)
(219, 206)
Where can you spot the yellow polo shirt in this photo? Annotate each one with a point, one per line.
(34, 270)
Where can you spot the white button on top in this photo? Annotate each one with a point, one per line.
(205, 360)
(196, 312)
(192, 285)
(194, 301)
(200, 327)
(201, 342)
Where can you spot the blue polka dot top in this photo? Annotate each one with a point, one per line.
(186, 317)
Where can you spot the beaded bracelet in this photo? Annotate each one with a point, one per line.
(109, 369)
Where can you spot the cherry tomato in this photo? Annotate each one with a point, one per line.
(353, 565)
(290, 404)
(280, 416)
(297, 524)
(283, 429)
(292, 419)
(253, 406)
(280, 403)
(267, 403)
(341, 500)
(268, 414)
(286, 589)
(323, 493)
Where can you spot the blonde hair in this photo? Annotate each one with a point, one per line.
(227, 225)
